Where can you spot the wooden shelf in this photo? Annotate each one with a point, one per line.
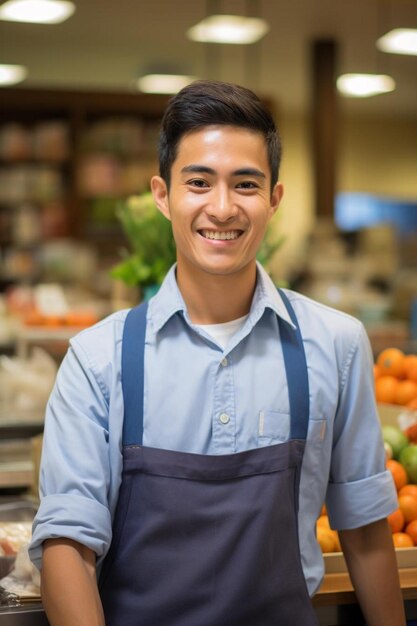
(79, 111)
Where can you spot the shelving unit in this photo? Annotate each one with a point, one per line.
(66, 158)
(34, 159)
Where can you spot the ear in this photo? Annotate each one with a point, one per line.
(160, 195)
(276, 196)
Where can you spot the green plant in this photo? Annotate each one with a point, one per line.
(150, 238)
(152, 245)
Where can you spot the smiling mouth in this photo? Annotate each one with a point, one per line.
(221, 235)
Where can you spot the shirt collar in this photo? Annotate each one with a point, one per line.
(169, 301)
(267, 296)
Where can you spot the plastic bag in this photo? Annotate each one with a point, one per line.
(25, 384)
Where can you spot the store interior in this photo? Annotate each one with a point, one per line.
(78, 138)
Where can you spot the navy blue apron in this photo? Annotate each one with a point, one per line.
(207, 540)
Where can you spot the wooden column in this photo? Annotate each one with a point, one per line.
(324, 124)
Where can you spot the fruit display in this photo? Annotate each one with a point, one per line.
(401, 461)
(396, 378)
(403, 521)
(70, 319)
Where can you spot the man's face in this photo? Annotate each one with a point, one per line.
(220, 200)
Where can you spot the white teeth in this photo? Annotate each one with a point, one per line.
(216, 234)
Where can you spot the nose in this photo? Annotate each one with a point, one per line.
(222, 208)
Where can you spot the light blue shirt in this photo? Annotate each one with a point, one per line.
(203, 399)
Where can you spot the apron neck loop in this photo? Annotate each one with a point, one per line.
(297, 373)
(133, 350)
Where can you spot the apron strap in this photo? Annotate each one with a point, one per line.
(297, 373)
(133, 348)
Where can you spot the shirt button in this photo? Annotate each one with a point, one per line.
(224, 418)
(224, 362)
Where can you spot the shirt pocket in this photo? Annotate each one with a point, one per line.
(273, 427)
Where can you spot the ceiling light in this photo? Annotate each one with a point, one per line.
(164, 83)
(12, 74)
(399, 41)
(364, 85)
(234, 29)
(37, 11)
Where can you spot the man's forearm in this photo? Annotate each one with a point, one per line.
(370, 557)
(68, 584)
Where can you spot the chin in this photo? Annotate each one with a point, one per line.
(222, 269)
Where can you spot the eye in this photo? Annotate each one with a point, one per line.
(198, 182)
(247, 184)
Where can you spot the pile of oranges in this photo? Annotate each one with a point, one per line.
(395, 383)
(396, 378)
(403, 521)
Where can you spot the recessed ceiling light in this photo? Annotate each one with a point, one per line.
(12, 74)
(234, 29)
(164, 83)
(399, 41)
(364, 85)
(37, 11)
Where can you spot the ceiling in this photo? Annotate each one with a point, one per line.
(107, 43)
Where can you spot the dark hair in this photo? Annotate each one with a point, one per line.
(204, 103)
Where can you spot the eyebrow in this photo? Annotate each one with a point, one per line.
(203, 169)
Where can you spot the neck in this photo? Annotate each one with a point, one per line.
(214, 298)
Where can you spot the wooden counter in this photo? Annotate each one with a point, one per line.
(335, 603)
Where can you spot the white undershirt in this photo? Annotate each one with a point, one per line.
(222, 333)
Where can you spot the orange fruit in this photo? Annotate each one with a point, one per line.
(396, 521)
(377, 371)
(406, 391)
(398, 473)
(391, 362)
(411, 529)
(408, 505)
(410, 366)
(408, 490)
(326, 539)
(386, 389)
(412, 405)
(402, 540)
(412, 373)
(323, 521)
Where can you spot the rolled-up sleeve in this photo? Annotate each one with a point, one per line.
(75, 468)
(360, 489)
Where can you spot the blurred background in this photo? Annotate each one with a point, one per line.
(77, 132)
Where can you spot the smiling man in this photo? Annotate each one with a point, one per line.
(219, 202)
(190, 442)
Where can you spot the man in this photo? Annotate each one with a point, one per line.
(196, 481)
